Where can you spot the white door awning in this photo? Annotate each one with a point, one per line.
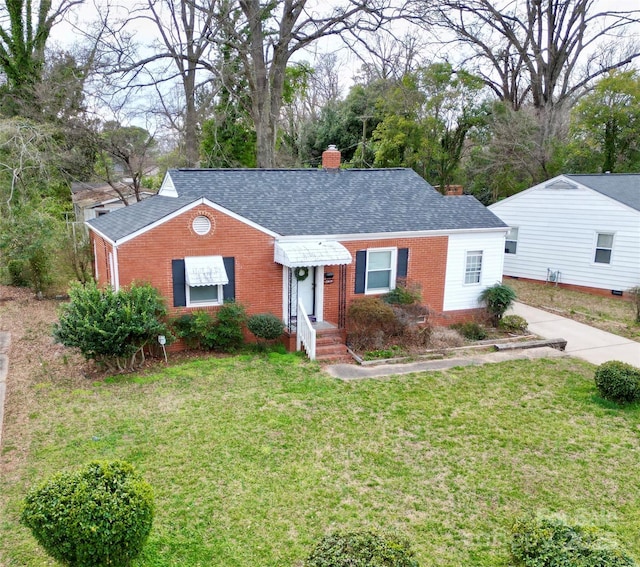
(311, 253)
(205, 270)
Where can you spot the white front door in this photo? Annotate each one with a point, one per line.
(306, 292)
(310, 290)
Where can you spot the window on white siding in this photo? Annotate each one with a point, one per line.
(381, 275)
(604, 245)
(473, 267)
(511, 242)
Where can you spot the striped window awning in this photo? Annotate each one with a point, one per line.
(205, 270)
(305, 253)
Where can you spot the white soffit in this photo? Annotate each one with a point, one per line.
(311, 253)
(205, 270)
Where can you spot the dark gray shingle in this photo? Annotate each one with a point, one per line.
(623, 187)
(315, 202)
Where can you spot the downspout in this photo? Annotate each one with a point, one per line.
(116, 270)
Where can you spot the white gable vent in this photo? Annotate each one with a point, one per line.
(201, 225)
(560, 185)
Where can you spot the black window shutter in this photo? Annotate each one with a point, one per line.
(179, 282)
(229, 290)
(403, 261)
(361, 269)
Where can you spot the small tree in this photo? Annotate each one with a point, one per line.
(498, 298)
(634, 292)
(98, 515)
(112, 327)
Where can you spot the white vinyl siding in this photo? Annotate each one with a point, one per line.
(558, 232)
(457, 294)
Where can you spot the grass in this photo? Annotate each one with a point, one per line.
(253, 458)
(607, 313)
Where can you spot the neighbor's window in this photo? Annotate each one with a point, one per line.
(511, 242)
(604, 245)
(380, 275)
(473, 267)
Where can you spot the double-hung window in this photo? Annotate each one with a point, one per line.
(511, 242)
(473, 267)
(604, 245)
(381, 268)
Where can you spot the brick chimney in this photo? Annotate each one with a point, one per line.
(453, 190)
(331, 158)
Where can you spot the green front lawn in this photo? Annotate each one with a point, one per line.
(254, 458)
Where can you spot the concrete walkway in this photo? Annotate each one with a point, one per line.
(583, 341)
(357, 372)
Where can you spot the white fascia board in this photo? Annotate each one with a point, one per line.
(199, 201)
(387, 235)
(100, 234)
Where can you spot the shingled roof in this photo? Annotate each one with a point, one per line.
(622, 187)
(301, 202)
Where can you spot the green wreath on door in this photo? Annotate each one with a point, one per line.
(301, 273)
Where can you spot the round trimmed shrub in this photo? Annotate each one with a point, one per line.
(362, 549)
(618, 381)
(513, 324)
(98, 515)
(265, 326)
(470, 330)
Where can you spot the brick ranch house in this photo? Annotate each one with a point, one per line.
(302, 243)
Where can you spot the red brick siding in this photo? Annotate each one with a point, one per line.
(258, 279)
(101, 261)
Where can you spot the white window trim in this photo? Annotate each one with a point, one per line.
(507, 239)
(392, 277)
(203, 303)
(464, 271)
(596, 248)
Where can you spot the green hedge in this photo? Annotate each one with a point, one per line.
(362, 549)
(618, 381)
(98, 515)
(549, 542)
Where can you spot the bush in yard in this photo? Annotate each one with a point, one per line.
(498, 298)
(513, 324)
(634, 292)
(618, 382)
(196, 329)
(112, 327)
(265, 326)
(227, 330)
(471, 330)
(370, 320)
(362, 549)
(403, 295)
(549, 542)
(98, 515)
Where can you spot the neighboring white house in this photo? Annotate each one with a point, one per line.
(579, 230)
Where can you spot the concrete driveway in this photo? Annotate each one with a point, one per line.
(583, 341)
